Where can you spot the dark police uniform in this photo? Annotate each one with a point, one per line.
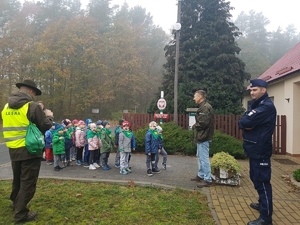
(260, 120)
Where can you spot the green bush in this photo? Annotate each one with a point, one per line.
(176, 140)
(296, 175)
(225, 161)
(226, 143)
(180, 141)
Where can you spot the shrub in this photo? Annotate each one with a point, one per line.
(296, 175)
(225, 161)
(226, 143)
(180, 141)
(175, 139)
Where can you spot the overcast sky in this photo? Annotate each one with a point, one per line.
(280, 13)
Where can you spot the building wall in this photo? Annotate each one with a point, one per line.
(288, 88)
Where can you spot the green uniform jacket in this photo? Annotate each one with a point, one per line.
(106, 142)
(58, 145)
(204, 126)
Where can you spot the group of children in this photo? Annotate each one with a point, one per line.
(90, 144)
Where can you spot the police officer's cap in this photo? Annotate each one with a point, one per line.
(258, 83)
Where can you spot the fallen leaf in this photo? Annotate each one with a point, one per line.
(131, 183)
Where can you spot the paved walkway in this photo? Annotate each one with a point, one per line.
(229, 205)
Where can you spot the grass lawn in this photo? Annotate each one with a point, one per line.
(73, 202)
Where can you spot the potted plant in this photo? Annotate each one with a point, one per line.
(223, 165)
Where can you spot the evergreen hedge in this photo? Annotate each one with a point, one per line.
(179, 141)
(175, 139)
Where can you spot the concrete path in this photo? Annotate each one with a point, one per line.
(229, 205)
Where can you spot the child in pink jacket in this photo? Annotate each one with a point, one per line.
(79, 141)
(94, 145)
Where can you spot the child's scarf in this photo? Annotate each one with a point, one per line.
(108, 132)
(91, 134)
(128, 133)
(154, 133)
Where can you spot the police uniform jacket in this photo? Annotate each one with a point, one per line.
(35, 114)
(258, 125)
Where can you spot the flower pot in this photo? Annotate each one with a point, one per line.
(220, 173)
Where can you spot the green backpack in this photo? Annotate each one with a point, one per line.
(34, 139)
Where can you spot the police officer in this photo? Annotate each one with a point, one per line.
(16, 115)
(258, 125)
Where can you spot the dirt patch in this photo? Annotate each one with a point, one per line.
(294, 185)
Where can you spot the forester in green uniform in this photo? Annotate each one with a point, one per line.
(16, 115)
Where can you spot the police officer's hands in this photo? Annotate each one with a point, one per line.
(48, 112)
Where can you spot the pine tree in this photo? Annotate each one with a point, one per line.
(208, 58)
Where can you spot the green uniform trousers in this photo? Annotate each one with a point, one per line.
(25, 176)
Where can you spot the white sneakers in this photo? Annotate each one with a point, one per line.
(96, 165)
(93, 166)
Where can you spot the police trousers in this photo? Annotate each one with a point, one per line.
(260, 175)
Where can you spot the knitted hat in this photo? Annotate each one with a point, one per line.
(99, 122)
(104, 123)
(81, 122)
(66, 122)
(121, 121)
(75, 121)
(87, 121)
(125, 123)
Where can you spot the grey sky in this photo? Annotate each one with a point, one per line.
(164, 12)
(280, 13)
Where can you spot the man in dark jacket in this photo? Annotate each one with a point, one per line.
(258, 125)
(204, 131)
(16, 115)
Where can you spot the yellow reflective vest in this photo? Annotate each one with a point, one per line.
(15, 123)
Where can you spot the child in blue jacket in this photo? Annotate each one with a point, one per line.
(152, 145)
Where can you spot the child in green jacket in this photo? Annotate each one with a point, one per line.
(58, 146)
(107, 144)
